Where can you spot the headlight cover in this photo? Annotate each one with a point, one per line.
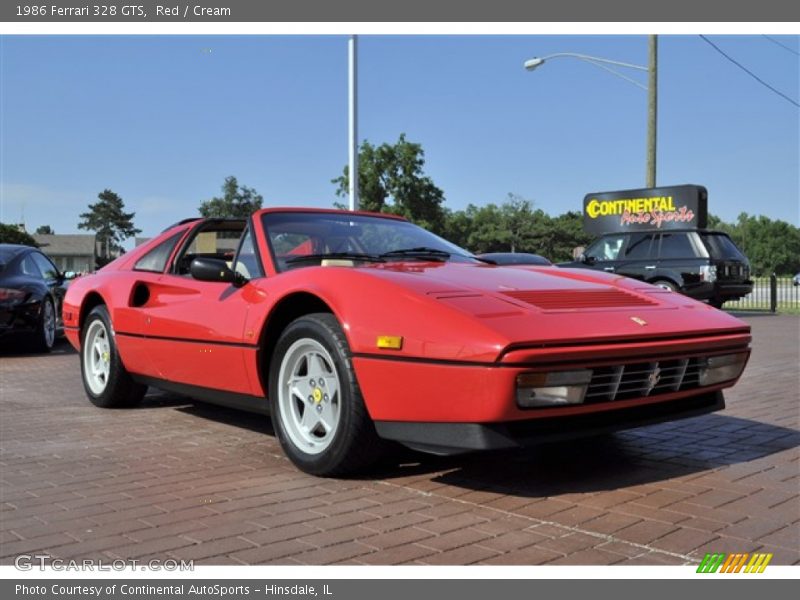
(718, 369)
(559, 388)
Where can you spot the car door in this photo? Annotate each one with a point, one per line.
(636, 259)
(680, 256)
(53, 280)
(195, 330)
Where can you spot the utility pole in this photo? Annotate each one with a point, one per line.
(652, 109)
(352, 112)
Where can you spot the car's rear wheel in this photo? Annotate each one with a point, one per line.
(105, 379)
(665, 284)
(317, 409)
(45, 335)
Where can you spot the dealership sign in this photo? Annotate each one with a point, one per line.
(676, 207)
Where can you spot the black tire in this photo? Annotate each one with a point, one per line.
(666, 284)
(120, 390)
(42, 339)
(716, 303)
(354, 445)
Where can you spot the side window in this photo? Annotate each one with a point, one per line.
(48, 269)
(156, 259)
(676, 245)
(606, 248)
(215, 240)
(639, 245)
(28, 267)
(247, 264)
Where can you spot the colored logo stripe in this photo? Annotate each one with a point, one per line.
(734, 563)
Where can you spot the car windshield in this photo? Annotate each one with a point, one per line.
(722, 247)
(306, 238)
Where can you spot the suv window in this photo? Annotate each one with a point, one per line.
(721, 246)
(639, 246)
(156, 259)
(676, 245)
(606, 248)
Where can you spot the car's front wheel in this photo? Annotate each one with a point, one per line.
(105, 379)
(317, 409)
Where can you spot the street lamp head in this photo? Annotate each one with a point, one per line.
(533, 63)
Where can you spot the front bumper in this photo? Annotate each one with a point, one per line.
(458, 438)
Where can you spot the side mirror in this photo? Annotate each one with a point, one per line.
(586, 259)
(213, 269)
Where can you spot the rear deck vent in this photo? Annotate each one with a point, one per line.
(578, 299)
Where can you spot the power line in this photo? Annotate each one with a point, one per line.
(748, 71)
(782, 45)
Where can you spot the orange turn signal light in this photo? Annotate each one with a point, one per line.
(389, 342)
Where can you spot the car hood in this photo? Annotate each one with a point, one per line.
(551, 304)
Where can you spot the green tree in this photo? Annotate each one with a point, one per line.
(391, 178)
(44, 230)
(108, 219)
(487, 230)
(11, 234)
(236, 201)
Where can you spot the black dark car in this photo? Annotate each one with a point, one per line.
(516, 258)
(31, 293)
(705, 265)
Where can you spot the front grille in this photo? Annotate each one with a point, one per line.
(635, 380)
(577, 299)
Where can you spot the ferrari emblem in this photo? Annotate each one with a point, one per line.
(317, 393)
(653, 379)
(639, 321)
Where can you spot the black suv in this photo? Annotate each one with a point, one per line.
(705, 265)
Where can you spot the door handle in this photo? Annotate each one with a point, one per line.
(609, 269)
(650, 267)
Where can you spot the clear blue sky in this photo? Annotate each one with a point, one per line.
(163, 120)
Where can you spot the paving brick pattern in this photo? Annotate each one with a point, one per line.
(175, 479)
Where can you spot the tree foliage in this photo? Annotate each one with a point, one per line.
(11, 234)
(108, 219)
(236, 201)
(773, 246)
(515, 226)
(44, 230)
(391, 178)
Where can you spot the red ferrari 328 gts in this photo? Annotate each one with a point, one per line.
(351, 329)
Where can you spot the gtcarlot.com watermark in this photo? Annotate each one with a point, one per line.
(41, 562)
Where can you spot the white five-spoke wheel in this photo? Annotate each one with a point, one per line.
(105, 379)
(308, 396)
(96, 357)
(317, 410)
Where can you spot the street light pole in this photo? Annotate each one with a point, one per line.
(352, 113)
(652, 91)
(652, 109)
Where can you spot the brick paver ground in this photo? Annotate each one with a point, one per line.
(175, 479)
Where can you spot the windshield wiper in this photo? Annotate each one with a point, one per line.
(420, 252)
(335, 255)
